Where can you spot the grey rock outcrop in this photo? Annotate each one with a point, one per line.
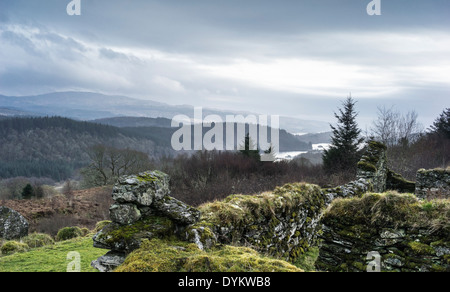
(12, 224)
(109, 261)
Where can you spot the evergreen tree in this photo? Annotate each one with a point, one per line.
(441, 125)
(344, 154)
(248, 145)
(27, 192)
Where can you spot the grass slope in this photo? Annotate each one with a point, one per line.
(52, 258)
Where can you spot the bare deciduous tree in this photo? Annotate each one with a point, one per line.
(108, 163)
(393, 128)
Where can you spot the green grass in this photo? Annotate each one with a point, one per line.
(307, 260)
(52, 258)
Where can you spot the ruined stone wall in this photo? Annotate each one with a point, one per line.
(283, 223)
(287, 221)
(372, 166)
(409, 235)
(433, 183)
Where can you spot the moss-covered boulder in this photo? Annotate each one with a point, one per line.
(409, 234)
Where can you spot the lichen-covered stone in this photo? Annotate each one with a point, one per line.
(177, 210)
(141, 189)
(124, 213)
(434, 183)
(12, 224)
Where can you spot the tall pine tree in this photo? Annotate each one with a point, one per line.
(246, 150)
(344, 154)
(441, 125)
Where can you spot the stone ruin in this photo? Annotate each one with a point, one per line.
(283, 223)
(373, 168)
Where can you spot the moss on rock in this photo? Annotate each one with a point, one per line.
(129, 237)
(158, 255)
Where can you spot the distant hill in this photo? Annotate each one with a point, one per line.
(315, 138)
(93, 106)
(55, 146)
(12, 112)
(122, 122)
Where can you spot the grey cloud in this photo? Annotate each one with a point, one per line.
(111, 54)
(20, 41)
(95, 50)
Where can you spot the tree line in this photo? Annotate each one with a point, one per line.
(409, 146)
(57, 147)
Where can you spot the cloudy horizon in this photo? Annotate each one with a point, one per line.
(290, 58)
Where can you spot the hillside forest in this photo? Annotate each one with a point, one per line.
(41, 155)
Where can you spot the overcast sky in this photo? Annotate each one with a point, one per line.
(297, 58)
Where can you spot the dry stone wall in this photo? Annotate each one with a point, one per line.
(408, 234)
(433, 183)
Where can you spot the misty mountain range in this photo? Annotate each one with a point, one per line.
(93, 106)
